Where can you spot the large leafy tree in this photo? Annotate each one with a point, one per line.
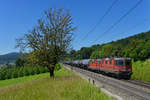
(96, 54)
(50, 39)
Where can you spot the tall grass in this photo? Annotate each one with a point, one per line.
(141, 70)
(65, 86)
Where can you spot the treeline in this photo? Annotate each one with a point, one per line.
(15, 72)
(21, 69)
(136, 47)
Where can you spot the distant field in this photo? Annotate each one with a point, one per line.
(141, 70)
(65, 86)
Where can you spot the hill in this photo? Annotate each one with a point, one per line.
(136, 47)
(9, 58)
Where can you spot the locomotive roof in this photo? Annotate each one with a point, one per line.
(121, 58)
(115, 58)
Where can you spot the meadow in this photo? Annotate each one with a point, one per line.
(65, 86)
(141, 70)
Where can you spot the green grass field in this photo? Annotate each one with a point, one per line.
(22, 79)
(141, 70)
(65, 86)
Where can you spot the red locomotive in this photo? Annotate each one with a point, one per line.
(120, 67)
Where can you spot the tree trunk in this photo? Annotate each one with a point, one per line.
(51, 71)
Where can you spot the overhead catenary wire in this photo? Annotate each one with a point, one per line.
(118, 21)
(99, 21)
(133, 27)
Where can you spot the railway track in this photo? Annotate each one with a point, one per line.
(128, 89)
(140, 83)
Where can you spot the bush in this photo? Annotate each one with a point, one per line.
(20, 72)
(46, 69)
(15, 72)
(42, 69)
(37, 70)
(3, 72)
(141, 70)
(32, 71)
(8, 74)
(58, 67)
(26, 72)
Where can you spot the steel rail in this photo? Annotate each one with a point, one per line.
(132, 89)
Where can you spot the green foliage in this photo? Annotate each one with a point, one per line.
(26, 71)
(37, 70)
(20, 72)
(15, 72)
(20, 62)
(141, 70)
(8, 74)
(85, 52)
(42, 69)
(96, 54)
(3, 72)
(58, 67)
(136, 47)
(32, 71)
(49, 39)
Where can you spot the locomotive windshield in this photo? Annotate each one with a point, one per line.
(119, 62)
(128, 62)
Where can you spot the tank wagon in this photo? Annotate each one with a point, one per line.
(120, 67)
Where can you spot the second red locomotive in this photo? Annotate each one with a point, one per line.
(120, 67)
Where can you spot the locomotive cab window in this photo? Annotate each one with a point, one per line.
(98, 62)
(105, 62)
(119, 62)
(128, 62)
(110, 62)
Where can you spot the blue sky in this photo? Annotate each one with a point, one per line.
(19, 16)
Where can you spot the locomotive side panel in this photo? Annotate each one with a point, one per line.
(115, 66)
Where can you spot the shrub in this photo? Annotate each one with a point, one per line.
(32, 71)
(46, 69)
(42, 69)
(58, 67)
(26, 72)
(8, 74)
(15, 73)
(3, 72)
(20, 72)
(37, 70)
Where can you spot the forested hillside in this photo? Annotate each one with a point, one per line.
(8, 58)
(136, 47)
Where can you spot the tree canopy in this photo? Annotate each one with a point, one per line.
(49, 39)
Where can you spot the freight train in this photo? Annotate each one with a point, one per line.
(118, 67)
